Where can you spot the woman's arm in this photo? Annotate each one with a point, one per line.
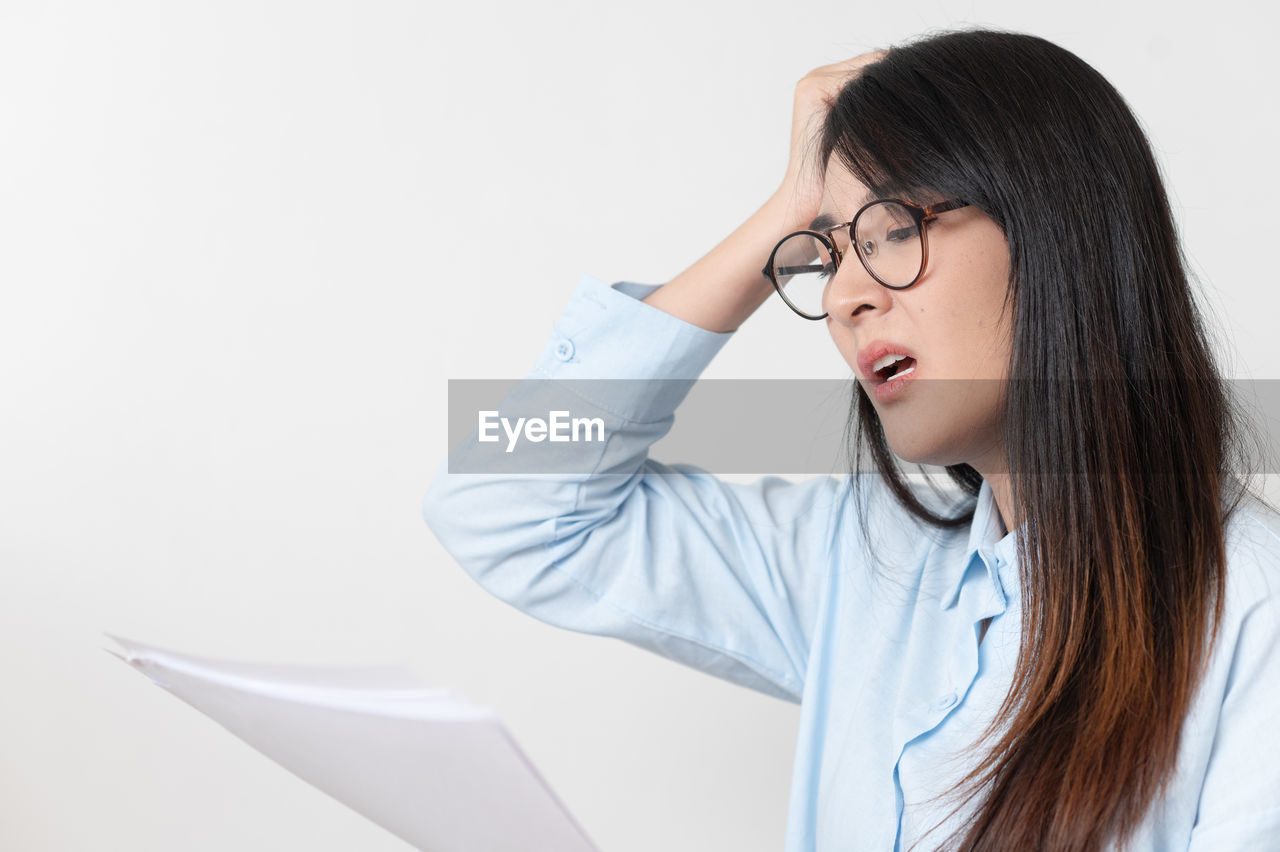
(726, 285)
(726, 578)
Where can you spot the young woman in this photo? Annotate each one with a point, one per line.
(978, 220)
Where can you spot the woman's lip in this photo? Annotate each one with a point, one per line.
(877, 349)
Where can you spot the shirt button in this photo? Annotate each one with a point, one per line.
(946, 701)
(564, 350)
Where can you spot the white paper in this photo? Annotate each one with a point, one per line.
(427, 765)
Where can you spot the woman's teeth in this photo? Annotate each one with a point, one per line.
(887, 367)
(886, 361)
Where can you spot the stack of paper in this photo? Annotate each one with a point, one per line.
(441, 773)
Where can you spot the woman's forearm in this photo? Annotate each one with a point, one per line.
(725, 286)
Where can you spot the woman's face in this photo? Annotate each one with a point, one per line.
(949, 410)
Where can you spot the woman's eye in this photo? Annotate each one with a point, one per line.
(901, 234)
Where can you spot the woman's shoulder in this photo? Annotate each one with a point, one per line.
(890, 533)
(1252, 539)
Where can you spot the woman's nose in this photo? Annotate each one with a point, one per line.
(852, 292)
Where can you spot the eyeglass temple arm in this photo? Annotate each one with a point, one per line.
(944, 206)
(796, 270)
(791, 270)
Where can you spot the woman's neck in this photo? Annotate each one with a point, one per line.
(1002, 491)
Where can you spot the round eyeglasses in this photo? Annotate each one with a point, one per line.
(889, 235)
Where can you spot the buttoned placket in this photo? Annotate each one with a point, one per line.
(978, 596)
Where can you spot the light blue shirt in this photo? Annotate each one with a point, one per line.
(769, 585)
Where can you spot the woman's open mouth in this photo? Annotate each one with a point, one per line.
(892, 373)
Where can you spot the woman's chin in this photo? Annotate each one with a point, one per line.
(916, 447)
(915, 453)
(930, 447)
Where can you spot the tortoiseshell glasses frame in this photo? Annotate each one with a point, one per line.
(919, 213)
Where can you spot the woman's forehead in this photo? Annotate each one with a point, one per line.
(840, 183)
(843, 193)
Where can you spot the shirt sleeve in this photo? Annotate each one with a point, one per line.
(724, 577)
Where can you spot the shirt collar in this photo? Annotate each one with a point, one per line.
(986, 544)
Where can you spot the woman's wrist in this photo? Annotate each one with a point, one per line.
(726, 285)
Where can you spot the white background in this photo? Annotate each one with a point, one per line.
(244, 245)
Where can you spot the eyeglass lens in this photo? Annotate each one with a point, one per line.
(886, 237)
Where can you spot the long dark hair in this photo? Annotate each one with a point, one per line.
(1120, 434)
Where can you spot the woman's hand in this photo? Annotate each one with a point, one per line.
(801, 189)
(724, 287)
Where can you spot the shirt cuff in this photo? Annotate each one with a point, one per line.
(641, 360)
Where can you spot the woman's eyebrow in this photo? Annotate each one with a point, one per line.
(827, 220)
(823, 222)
